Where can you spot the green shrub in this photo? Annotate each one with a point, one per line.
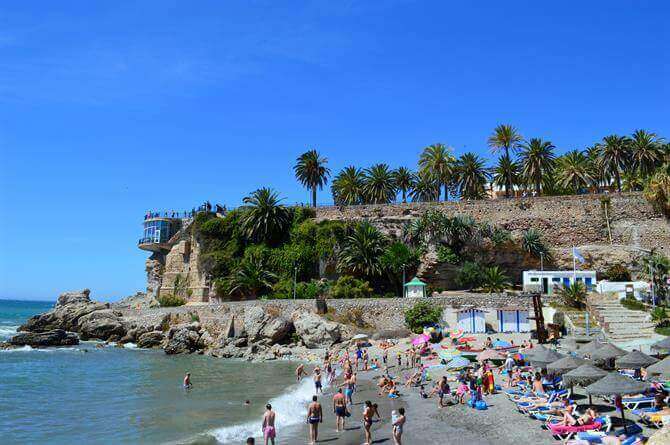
(170, 300)
(349, 287)
(500, 236)
(283, 290)
(574, 295)
(446, 255)
(422, 314)
(659, 314)
(618, 272)
(470, 275)
(633, 304)
(494, 280)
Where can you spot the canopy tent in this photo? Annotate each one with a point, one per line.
(661, 368)
(662, 346)
(615, 384)
(607, 352)
(565, 364)
(544, 357)
(635, 360)
(490, 354)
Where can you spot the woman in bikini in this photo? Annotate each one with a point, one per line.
(398, 426)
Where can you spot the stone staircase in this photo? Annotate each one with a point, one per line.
(617, 322)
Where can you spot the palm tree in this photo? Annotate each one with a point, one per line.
(251, 278)
(506, 174)
(347, 186)
(574, 171)
(537, 162)
(646, 152)
(265, 219)
(471, 176)
(379, 184)
(494, 280)
(615, 155)
(657, 190)
(404, 181)
(531, 242)
(362, 251)
(505, 137)
(601, 176)
(574, 295)
(426, 188)
(311, 171)
(438, 161)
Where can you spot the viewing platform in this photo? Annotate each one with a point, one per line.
(159, 228)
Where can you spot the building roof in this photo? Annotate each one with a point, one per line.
(415, 282)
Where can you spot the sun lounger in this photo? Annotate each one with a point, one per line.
(565, 433)
(637, 402)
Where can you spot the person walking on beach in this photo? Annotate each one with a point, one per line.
(314, 418)
(187, 381)
(442, 390)
(398, 424)
(300, 371)
(348, 386)
(340, 409)
(367, 422)
(269, 432)
(317, 380)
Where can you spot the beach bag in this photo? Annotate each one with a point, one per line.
(481, 405)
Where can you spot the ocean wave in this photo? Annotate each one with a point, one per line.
(130, 345)
(291, 409)
(27, 348)
(7, 331)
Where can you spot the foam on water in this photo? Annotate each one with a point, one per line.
(130, 345)
(291, 409)
(27, 348)
(7, 331)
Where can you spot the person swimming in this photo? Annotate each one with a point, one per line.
(187, 381)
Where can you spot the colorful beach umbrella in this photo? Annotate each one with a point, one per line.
(421, 339)
(456, 333)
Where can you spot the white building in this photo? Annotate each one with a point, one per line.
(637, 289)
(415, 289)
(548, 281)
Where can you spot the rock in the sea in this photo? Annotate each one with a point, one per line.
(182, 339)
(56, 337)
(316, 332)
(150, 339)
(101, 324)
(70, 308)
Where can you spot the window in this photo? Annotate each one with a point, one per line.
(556, 280)
(534, 280)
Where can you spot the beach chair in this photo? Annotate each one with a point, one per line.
(565, 433)
(550, 403)
(637, 402)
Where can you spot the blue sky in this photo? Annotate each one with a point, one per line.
(111, 108)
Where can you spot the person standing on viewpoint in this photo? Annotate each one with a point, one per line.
(314, 418)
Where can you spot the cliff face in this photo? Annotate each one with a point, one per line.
(565, 221)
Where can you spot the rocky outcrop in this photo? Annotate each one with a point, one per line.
(316, 332)
(102, 324)
(56, 337)
(258, 325)
(150, 339)
(69, 309)
(183, 338)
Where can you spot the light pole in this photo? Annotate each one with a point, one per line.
(295, 279)
(402, 288)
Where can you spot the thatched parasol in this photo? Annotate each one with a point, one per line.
(661, 368)
(529, 352)
(584, 375)
(543, 357)
(663, 345)
(607, 352)
(565, 364)
(615, 384)
(590, 348)
(635, 360)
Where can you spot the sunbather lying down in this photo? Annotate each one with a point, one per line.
(555, 408)
(586, 419)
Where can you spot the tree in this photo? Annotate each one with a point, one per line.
(507, 138)
(506, 174)
(574, 171)
(470, 275)
(471, 176)
(426, 188)
(574, 295)
(437, 161)
(531, 242)
(379, 184)
(397, 258)
(251, 278)
(347, 186)
(311, 171)
(646, 152)
(494, 280)
(657, 190)
(362, 250)
(404, 181)
(615, 155)
(600, 175)
(422, 314)
(537, 162)
(265, 219)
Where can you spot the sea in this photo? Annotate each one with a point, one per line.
(95, 394)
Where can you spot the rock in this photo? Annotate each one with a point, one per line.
(277, 329)
(101, 324)
(254, 321)
(150, 339)
(66, 315)
(138, 301)
(56, 337)
(182, 340)
(240, 342)
(259, 325)
(316, 332)
(73, 297)
(206, 340)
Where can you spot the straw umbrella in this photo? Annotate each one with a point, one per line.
(662, 346)
(542, 358)
(584, 376)
(607, 353)
(566, 364)
(615, 384)
(635, 360)
(661, 368)
(529, 352)
(590, 348)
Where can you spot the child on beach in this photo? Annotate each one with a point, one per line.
(461, 391)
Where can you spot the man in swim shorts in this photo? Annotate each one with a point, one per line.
(269, 432)
(317, 380)
(314, 418)
(340, 409)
